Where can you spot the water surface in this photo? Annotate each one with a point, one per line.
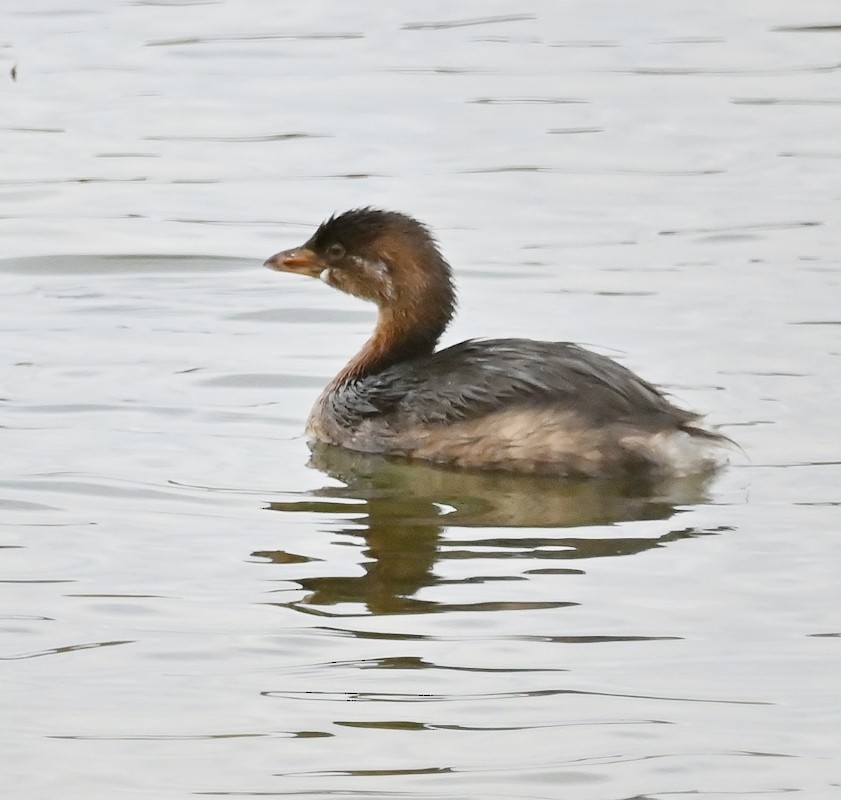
(194, 604)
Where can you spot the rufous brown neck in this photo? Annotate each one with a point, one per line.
(404, 331)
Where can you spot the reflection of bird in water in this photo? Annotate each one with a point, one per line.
(516, 405)
(497, 499)
(405, 507)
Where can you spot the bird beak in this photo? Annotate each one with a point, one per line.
(300, 260)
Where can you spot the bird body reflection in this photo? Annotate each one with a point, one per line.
(408, 515)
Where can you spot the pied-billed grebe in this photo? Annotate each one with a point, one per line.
(507, 404)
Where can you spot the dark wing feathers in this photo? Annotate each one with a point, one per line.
(478, 377)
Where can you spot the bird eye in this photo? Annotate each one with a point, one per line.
(336, 251)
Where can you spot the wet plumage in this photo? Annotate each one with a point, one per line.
(512, 404)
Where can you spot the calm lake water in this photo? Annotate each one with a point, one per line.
(194, 604)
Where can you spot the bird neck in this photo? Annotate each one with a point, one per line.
(405, 330)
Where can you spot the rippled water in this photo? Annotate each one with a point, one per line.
(194, 604)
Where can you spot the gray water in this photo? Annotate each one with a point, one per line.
(194, 604)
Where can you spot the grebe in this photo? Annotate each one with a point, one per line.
(507, 404)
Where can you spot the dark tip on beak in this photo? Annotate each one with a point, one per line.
(301, 260)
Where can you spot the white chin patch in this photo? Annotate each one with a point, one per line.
(325, 275)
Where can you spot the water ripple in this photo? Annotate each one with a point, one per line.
(72, 648)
